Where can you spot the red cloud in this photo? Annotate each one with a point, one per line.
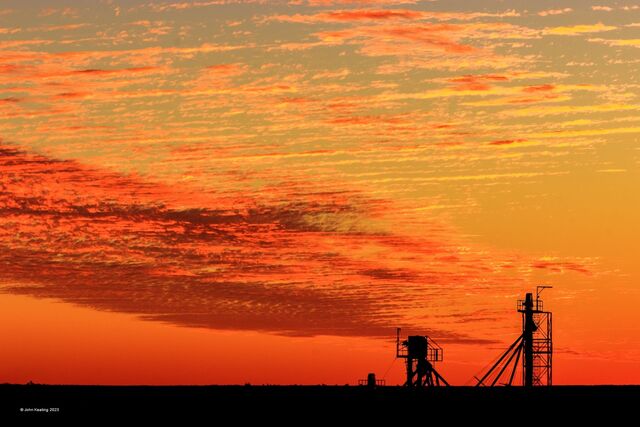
(368, 120)
(539, 88)
(10, 100)
(476, 82)
(227, 69)
(359, 15)
(401, 40)
(172, 254)
(533, 100)
(559, 267)
(99, 71)
(72, 95)
(507, 141)
(351, 15)
(432, 35)
(368, 2)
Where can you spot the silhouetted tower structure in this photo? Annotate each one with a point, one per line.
(536, 344)
(420, 353)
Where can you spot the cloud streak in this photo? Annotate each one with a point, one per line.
(116, 243)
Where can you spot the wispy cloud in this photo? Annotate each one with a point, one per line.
(164, 253)
(355, 15)
(617, 42)
(575, 30)
(553, 12)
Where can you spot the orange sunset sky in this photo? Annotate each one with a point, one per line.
(198, 192)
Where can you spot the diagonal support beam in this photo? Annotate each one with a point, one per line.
(515, 365)
(495, 366)
(507, 363)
